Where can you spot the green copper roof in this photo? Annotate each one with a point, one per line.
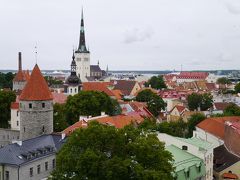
(187, 165)
(203, 145)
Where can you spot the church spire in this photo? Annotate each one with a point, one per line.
(82, 44)
(73, 65)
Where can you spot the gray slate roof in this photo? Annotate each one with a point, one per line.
(95, 68)
(223, 158)
(41, 146)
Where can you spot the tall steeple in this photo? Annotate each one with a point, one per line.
(82, 44)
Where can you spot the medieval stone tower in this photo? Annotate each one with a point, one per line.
(82, 56)
(36, 107)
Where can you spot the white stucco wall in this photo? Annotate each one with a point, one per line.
(15, 119)
(83, 65)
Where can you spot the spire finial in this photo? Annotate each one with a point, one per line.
(98, 63)
(36, 53)
(82, 13)
(73, 56)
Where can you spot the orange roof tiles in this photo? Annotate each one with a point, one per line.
(59, 98)
(215, 125)
(22, 76)
(36, 88)
(98, 86)
(118, 121)
(229, 176)
(15, 105)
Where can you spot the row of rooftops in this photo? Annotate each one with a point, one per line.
(22, 152)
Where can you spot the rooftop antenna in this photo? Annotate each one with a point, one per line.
(36, 52)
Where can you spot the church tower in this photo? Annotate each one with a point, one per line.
(36, 107)
(73, 83)
(82, 55)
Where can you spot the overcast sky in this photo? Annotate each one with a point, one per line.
(125, 34)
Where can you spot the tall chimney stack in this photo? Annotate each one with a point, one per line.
(19, 61)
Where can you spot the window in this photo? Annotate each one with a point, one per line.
(43, 105)
(17, 113)
(17, 123)
(39, 169)
(7, 175)
(24, 129)
(46, 166)
(75, 90)
(184, 148)
(199, 168)
(30, 105)
(43, 129)
(53, 163)
(31, 172)
(70, 90)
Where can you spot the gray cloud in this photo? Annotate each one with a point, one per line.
(137, 35)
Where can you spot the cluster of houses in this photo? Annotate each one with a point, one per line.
(28, 148)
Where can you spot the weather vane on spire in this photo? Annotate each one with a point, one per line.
(36, 52)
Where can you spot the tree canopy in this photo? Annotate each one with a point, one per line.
(154, 102)
(232, 110)
(104, 152)
(85, 103)
(6, 97)
(193, 121)
(6, 80)
(223, 80)
(156, 82)
(202, 101)
(237, 88)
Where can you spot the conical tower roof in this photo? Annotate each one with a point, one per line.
(36, 88)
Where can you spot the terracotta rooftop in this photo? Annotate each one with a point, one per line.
(36, 88)
(98, 86)
(21, 76)
(125, 86)
(118, 121)
(59, 98)
(221, 105)
(192, 75)
(229, 176)
(215, 125)
(15, 105)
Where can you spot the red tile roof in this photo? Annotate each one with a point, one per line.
(221, 105)
(125, 86)
(118, 121)
(15, 105)
(36, 88)
(59, 98)
(215, 125)
(21, 76)
(192, 75)
(98, 86)
(229, 176)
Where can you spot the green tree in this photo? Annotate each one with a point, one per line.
(156, 82)
(90, 103)
(202, 101)
(6, 97)
(194, 101)
(237, 88)
(6, 80)
(193, 121)
(223, 80)
(145, 95)
(174, 128)
(232, 110)
(207, 101)
(104, 152)
(155, 105)
(59, 117)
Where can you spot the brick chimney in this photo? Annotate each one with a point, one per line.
(19, 61)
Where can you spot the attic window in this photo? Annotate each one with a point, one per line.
(184, 148)
(43, 105)
(30, 105)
